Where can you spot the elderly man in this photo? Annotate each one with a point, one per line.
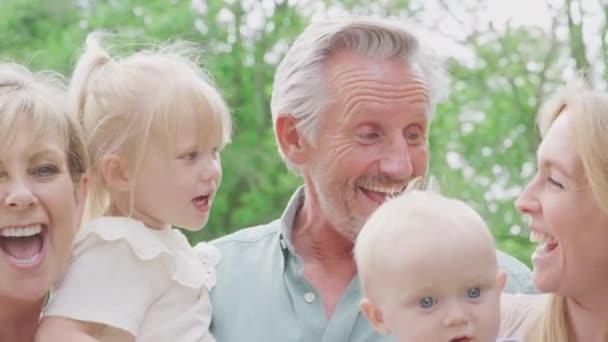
(351, 105)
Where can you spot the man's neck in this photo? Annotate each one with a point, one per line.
(316, 239)
(588, 319)
(18, 321)
(327, 255)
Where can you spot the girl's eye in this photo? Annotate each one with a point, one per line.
(427, 302)
(189, 156)
(44, 171)
(474, 292)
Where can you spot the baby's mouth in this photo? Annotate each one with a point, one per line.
(23, 245)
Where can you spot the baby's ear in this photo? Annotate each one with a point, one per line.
(502, 280)
(374, 316)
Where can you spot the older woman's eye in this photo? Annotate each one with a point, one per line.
(474, 292)
(427, 302)
(45, 170)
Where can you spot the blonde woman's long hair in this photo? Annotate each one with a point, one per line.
(590, 119)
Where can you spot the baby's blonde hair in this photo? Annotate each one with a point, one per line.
(40, 100)
(123, 103)
(421, 199)
(589, 110)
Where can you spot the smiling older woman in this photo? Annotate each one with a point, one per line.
(567, 202)
(42, 190)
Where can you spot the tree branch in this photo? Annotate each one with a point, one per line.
(577, 43)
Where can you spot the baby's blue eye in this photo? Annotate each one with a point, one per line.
(426, 302)
(473, 292)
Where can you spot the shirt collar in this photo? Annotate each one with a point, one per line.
(288, 218)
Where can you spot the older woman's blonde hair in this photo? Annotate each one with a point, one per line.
(39, 99)
(589, 110)
(123, 103)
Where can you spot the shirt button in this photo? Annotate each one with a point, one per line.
(309, 297)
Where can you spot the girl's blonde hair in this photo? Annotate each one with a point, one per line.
(589, 110)
(40, 100)
(123, 103)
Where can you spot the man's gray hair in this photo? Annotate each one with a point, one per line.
(299, 88)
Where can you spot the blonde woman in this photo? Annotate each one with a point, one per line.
(42, 189)
(154, 126)
(567, 202)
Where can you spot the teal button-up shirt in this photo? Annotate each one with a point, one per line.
(261, 294)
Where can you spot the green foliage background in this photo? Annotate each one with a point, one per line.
(482, 140)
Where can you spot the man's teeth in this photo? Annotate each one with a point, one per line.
(21, 231)
(395, 190)
(541, 238)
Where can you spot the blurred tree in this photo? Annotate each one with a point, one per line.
(483, 139)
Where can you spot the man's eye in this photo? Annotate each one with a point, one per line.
(370, 136)
(414, 135)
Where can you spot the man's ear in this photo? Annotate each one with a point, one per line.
(502, 280)
(374, 316)
(114, 173)
(290, 140)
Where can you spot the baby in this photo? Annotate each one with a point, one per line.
(428, 271)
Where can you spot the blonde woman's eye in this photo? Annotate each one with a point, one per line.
(427, 302)
(473, 292)
(555, 183)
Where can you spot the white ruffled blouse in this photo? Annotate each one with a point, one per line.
(150, 283)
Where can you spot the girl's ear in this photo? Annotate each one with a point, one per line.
(114, 173)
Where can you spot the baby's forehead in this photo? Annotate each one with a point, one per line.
(426, 265)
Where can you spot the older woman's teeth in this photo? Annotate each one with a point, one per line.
(21, 231)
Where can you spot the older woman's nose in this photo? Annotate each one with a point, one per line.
(19, 196)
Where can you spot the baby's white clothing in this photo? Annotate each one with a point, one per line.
(148, 282)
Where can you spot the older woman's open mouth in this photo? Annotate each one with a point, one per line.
(23, 245)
